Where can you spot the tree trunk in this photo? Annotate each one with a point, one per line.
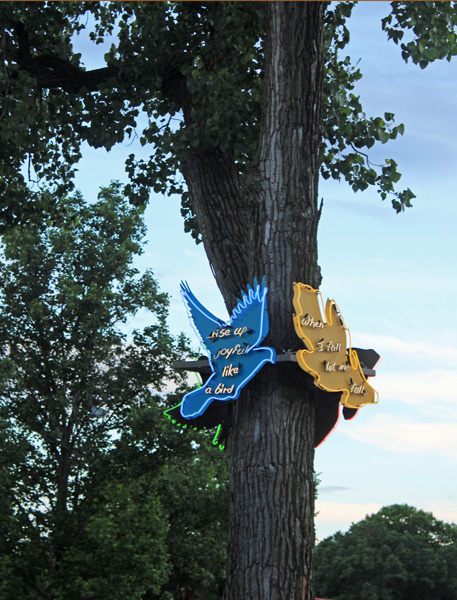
(271, 451)
(269, 227)
(271, 445)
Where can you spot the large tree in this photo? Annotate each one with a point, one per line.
(249, 103)
(399, 552)
(90, 469)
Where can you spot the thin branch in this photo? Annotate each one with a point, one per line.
(369, 163)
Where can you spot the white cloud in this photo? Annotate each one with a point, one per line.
(334, 489)
(334, 512)
(432, 386)
(389, 433)
(333, 515)
(445, 511)
(436, 387)
(389, 344)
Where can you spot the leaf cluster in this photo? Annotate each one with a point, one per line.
(206, 62)
(38, 139)
(399, 552)
(348, 132)
(427, 22)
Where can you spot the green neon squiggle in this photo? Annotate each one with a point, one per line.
(215, 440)
(216, 435)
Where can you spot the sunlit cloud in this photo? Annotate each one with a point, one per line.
(389, 433)
(341, 514)
(435, 387)
(445, 511)
(444, 353)
(334, 489)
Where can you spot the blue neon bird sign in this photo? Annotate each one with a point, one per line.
(232, 347)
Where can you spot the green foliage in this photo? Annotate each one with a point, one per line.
(208, 60)
(348, 132)
(222, 67)
(427, 21)
(88, 509)
(194, 72)
(197, 538)
(35, 126)
(399, 552)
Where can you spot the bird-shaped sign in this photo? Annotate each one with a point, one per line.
(328, 357)
(232, 347)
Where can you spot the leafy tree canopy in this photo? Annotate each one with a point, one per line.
(398, 553)
(92, 473)
(195, 71)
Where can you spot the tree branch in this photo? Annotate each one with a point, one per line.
(54, 72)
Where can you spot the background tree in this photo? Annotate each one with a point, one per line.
(89, 465)
(249, 103)
(399, 552)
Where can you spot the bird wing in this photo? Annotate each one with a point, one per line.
(203, 321)
(249, 318)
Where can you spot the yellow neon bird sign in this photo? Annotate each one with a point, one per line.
(329, 357)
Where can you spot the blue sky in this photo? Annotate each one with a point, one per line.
(393, 277)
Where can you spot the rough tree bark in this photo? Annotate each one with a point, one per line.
(268, 226)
